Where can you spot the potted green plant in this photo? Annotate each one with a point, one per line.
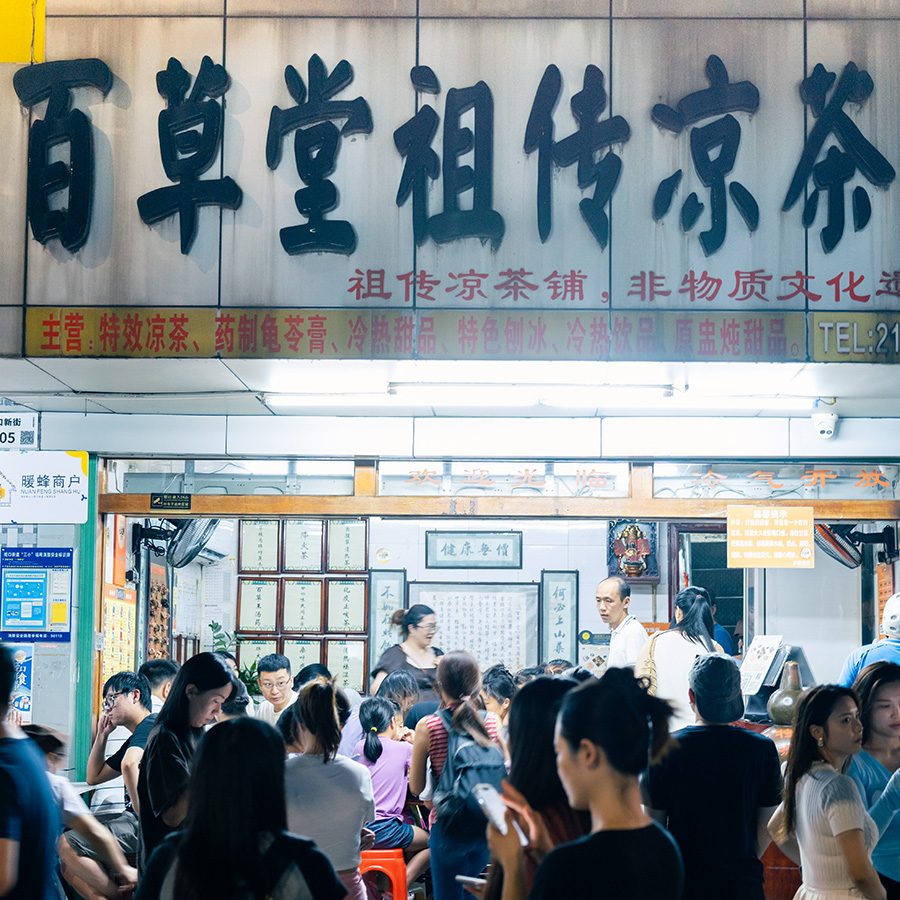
(223, 640)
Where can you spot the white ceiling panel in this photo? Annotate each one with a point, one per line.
(136, 435)
(320, 436)
(864, 438)
(56, 403)
(143, 375)
(519, 438)
(286, 376)
(245, 404)
(693, 437)
(21, 375)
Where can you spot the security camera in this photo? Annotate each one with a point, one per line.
(825, 425)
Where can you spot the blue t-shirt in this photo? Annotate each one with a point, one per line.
(887, 650)
(723, 639)
(871, 778)
(29, 814)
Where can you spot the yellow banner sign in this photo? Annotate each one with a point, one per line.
(22, 31)
(267, 333)
(774, 537)
(869, 337)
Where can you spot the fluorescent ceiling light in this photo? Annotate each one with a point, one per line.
(326, 401)
(656, 398)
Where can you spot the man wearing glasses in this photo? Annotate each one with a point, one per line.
(126, 702)
(273, 672)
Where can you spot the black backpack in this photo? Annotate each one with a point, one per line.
(468, 763)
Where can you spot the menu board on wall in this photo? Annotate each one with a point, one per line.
(347, 547)
(301, 605)
(258, 545)
(303, 541)
(257, 605)
(119, 635)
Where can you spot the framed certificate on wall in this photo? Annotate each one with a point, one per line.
(251, 651)
(347, 610)
(302, 652)
(302, 605)
(257, 605)
(347, 545)
(258, 545)
(303, 542)
(346, 660)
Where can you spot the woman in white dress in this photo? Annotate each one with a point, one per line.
(667, 657)
(822, 823)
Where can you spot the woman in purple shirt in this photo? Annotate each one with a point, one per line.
(387, 758)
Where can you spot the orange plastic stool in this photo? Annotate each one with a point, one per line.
(391, 863)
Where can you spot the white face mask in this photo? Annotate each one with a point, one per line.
(890, 621)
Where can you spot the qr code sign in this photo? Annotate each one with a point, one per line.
(26, 439)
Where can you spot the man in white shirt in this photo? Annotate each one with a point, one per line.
(627, 635)
(273, 673)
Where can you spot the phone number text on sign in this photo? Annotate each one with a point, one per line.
(855, 337)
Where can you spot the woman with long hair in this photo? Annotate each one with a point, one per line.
(329, 797)
(387, 757)
(533, 788)
(414, 653)
(459, 686)
(200, 688)
(876, 768)
(607, 733)
(822, 823)
(235, 844)
(667, 657)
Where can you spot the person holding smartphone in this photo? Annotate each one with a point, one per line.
(607, 733)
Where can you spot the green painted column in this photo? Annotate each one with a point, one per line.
(84, 635)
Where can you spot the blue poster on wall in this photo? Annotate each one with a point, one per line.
(35, 594)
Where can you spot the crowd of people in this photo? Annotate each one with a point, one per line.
(635, 784)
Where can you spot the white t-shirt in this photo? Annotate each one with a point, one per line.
(626, 642)
(329, 803)
(71, 806)
(266, 711)
(829, 804)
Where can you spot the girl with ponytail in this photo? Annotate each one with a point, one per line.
(668, 656)
(387, 758)
(329, 797)
(459, 686)
(607, 733)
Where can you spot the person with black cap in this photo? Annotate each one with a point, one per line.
(717, 789)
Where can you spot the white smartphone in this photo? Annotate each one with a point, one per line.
(495, 809)
(472, 882)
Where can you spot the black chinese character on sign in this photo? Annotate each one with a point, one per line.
(840, 163)
(413, 142)
(713, 150)
(49, 217)
(591, 136)
(316, 145)
(190, 131)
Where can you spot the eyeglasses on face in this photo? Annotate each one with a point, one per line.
(281, 684)
(110, 700)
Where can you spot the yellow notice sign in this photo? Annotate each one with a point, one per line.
(22, 31)
(774, 537)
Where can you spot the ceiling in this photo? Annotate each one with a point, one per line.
(453, 388)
